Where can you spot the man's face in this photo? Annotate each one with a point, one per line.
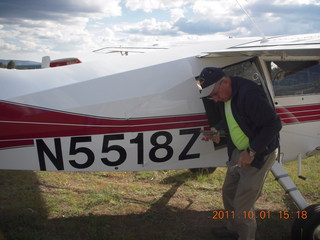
(220, 92)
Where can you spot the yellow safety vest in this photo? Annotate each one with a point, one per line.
(238, 137)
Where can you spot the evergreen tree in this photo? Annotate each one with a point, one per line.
(11, 65)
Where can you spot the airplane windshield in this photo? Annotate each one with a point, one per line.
(292, 78)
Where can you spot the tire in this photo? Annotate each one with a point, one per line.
(309, 228)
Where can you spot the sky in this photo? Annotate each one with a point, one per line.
(30, 29)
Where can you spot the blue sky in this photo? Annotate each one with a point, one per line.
(35, 28)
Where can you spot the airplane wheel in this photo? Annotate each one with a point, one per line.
(203, 170)
(309, 228)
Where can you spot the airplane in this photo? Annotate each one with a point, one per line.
(143, 112)
(46, 62)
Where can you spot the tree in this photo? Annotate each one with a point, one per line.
(2, 65)
(11, 65)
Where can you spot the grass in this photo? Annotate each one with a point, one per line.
(175, 204)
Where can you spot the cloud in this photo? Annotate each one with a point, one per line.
(8, 47)
(60, 25)
(286, 17)
(176, 14)
(213, 9)
(201, 27)
(51, 26)
(273, 17)
(11, 11)
(150, 5)
(150, 27)
(211, 17)
(296, 2)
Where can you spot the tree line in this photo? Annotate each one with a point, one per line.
(11, 65)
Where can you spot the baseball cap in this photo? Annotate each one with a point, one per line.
(207, 80)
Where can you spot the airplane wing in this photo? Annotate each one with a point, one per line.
(126, 50)
(304, 45)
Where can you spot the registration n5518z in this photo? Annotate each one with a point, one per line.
(120, 151)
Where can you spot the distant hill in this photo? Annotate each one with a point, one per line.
(23, 64)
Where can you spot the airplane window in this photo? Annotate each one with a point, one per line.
(294, 78)
(246, 70)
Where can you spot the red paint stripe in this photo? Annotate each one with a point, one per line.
(20, 113)
(25, 122)
(301, 119)
(28, 123)
(11, 131)
(19, 143)
(299, 114)
(33, 131)
(298, 108)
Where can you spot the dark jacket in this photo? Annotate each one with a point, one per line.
(255, 116)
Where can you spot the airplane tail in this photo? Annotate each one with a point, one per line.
(45, 62)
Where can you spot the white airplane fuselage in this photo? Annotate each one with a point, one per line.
(143, 112)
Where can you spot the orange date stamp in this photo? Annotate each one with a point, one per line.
(262, 214)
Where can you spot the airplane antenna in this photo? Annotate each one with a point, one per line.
(264, 39)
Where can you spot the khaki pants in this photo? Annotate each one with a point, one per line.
(241, 189)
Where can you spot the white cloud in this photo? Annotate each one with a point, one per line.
(211, 17)
(150, 5)
(5, 46)
(106, 8)
(297, 2)
(61, 25)
(213, 9)
(176, 14)
(58, 10)
(147, 27)
(57, 30)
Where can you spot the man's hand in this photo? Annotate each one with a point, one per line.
(211, 135)
(245, 159)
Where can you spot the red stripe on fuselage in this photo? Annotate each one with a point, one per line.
(299, 114)
(20, 113)
(21, 124)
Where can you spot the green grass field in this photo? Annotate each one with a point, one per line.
(135, 205)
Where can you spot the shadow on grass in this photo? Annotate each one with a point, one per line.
(24, 216)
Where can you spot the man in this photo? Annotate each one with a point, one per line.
(252, 128)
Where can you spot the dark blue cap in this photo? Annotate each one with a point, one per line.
(207, 78)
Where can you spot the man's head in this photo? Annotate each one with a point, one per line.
(214, 84)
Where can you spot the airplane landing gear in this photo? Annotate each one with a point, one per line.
(306, 227)
(309, 228)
